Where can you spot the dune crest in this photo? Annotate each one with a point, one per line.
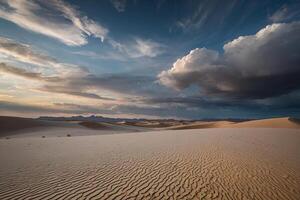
(284, 122)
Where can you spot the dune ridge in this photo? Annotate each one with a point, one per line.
(283, 122)
(19, 127)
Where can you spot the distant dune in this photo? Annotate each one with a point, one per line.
(267, 123)
(28, 127)
(19, 127)
(94, 125)
(12, 124)
(263, 123)
(200, 125)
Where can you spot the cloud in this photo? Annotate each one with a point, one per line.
(66, 78)
(23, 52)
(139, 48)
(4, 68)
(126, 84)
(80, 91)
(285, 13)
(52, 109)
(53, 84)
(107, 55)
(62, 74)
(119, 5)
(53, 18)
(203, 11)
(256, 66)
(145, 48)
(279, 15)
(62, 21)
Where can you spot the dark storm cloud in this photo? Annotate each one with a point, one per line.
(258, 66)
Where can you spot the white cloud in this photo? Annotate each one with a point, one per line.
(181, 76)
(255, 66)
(60, 20)
(147, 48)
(139, 48)
(53, 18)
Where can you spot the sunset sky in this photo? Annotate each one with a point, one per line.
(154, 59)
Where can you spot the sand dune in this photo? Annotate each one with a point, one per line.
(187, 164)
(26, 127)
(200, 125)
(266, 123)
(11, 127)
(263, 123)
(15, 124)
(94, 125)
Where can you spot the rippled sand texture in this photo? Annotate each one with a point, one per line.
(188, 164)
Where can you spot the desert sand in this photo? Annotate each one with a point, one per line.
(284, 122)
(222, 163)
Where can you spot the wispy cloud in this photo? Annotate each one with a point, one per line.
(65, 88)
(53, 84)
(67, 78)
(119, 5)
(60, 20)
(139, 48)
(58, 81)
(25, 53)
(202, 12)
(53, 18)
(4, 68)
(11, 107)
(285, 13)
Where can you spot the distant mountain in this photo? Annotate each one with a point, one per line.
(94, 118)
(91, 118)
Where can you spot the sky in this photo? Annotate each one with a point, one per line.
(189, 59)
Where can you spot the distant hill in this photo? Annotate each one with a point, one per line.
(94, 118)
(91, 118)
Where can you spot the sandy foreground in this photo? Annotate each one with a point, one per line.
(221, 163)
